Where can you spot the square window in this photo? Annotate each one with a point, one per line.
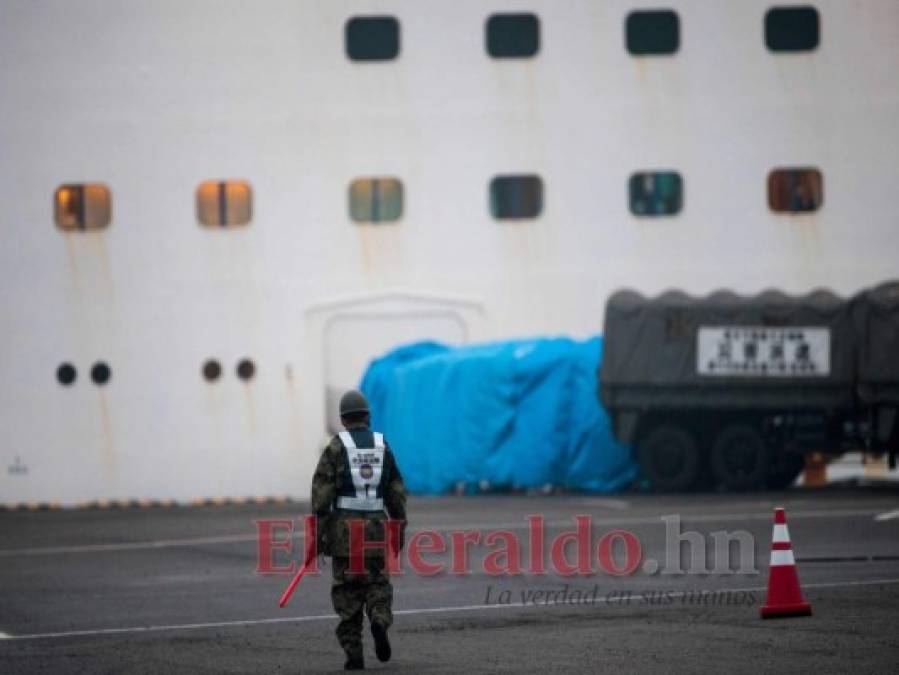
(798, 190)
(792, 29)
(376, 200)
(652, 32)
(82, 206)
(372, 38)
(513, 36)
(516, 197)
(224, 203)
(656, 193)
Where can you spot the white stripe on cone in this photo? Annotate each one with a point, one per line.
(779, 558)
(781, 534)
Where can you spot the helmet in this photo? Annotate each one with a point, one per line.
(353, 402)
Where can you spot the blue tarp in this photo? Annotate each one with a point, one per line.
(511, 415)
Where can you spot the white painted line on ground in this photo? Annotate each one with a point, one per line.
(129, 546)
(5, 636)
(97, 632)
(889, 515)
(518, 525)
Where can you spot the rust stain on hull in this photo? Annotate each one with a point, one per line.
(251, 409)
(293, 406)
(809, 247)
(109, 451)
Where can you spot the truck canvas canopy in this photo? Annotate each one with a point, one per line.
(877, 322)
(728, 349)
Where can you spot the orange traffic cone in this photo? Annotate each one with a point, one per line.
(784, 595)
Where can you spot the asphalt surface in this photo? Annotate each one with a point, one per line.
(176, 591)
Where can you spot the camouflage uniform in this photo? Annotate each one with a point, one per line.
(372, 591)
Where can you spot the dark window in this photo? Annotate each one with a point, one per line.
(212, 370)
(224, 203)
(514, 197)
(512, 36)
(792, 29)
(652, 32)
(372, 38)
(100, 373)
(82, 206)
(795, 190)
(66, 374)
(376, 200)
(246, 370)
(656, 193)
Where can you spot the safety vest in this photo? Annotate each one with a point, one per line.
(365, 469)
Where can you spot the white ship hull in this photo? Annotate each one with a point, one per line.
(151, 98)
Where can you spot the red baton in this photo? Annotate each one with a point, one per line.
(296, 580)
(311, 527)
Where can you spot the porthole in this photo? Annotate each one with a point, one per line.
(246, 370)
(101, 373)
(66, 374)
(212, 370)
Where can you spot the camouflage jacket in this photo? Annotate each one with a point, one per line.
(328, 482)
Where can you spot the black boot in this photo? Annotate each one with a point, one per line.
(382, 644)
(354, 662)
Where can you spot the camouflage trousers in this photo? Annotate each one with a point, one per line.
(350, 594)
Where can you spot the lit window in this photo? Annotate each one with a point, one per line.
(795, 190)
(82, 206)
(656, 193)
(515, 197)
(372, 38)
(513, 35)
(224, 203)
(652, 32)
(376, 200)
(792, 29)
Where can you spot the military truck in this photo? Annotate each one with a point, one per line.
(732, 391)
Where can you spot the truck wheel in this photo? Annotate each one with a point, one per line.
(669, 457)
(784, 470)
(740, 458)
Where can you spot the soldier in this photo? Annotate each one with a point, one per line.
(357, 478)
